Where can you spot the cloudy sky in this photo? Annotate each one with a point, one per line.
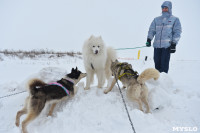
(64, 25)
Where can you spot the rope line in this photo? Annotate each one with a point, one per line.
(129, 48)
(125, 106)
(12, 94)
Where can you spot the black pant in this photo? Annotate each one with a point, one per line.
(161, 59)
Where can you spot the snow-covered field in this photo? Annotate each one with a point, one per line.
(176, 94)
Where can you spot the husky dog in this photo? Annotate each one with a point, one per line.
(97, 60)
(135, 84)
(40, 93)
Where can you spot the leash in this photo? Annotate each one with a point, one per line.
(125, 106)
(129, 48)
(12, 94)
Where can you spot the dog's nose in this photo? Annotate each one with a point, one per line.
(96, 52)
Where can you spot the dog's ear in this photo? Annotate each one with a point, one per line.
(91, 37)
(130, 66)
(72, 70)
(76, 68)
(112, 61)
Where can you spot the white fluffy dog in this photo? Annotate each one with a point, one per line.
(97, 60)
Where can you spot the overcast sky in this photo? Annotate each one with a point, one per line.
(65, 24)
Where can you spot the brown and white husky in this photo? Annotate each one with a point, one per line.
(135, 84)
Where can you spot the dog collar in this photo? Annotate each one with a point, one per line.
(69, 79)
(58, 84)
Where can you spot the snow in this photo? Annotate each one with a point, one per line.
(91, 111)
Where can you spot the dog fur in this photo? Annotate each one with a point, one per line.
(97, 60)
(136, 88)
(40, 93)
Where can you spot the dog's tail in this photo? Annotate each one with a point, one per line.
(33, 84)
(148, 74)
(111, 57)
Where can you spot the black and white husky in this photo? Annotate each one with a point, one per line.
(40, 93)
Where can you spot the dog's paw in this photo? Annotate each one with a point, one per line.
(99, 86)
(49, 115)
(86, 88)
(148, 111)
(105, 91)
(17, 124)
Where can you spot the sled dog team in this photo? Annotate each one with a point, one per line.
(98, 59)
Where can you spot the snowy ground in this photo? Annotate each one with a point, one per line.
(176, 94)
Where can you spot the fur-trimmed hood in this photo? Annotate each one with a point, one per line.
(169, 5)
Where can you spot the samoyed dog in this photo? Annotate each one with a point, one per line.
(97, 60)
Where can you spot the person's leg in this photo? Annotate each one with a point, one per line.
(157, 58)
(165, 58)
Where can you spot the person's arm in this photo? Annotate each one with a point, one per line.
(151, 33)
(152, 30)
(176, 31)
(176, 34)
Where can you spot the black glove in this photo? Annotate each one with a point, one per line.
(173, 48)
(148, 43)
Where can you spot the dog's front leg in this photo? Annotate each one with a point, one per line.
(51, 109)
(101, 78)
(112, 85)
(75, 89)
(89, 79)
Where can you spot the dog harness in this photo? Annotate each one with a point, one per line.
(60, 85)
(125, 67)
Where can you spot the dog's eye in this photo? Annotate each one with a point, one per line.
(98, 46)
(93, 46)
